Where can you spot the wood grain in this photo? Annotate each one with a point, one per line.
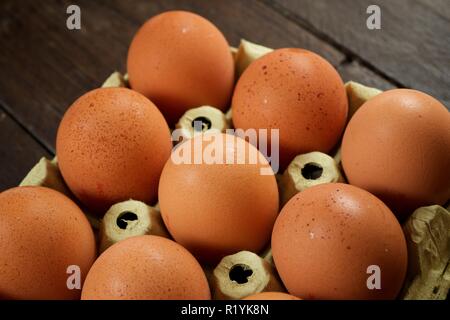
(247, 19)
(412, 47)
(354, 71)
(45, 67)
(18, 152)
(439, 7)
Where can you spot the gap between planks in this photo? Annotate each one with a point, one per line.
(350, 55)
(25, 129)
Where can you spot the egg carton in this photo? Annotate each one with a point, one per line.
(426, 230)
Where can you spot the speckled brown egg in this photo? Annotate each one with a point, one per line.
(112, 144)
(397, 146)
(215, 209)
(271, 296)
(329, 240)
(297, 92)
(146, 268)
(42, 234)
(180, 60)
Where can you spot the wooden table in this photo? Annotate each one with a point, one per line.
(44, 67)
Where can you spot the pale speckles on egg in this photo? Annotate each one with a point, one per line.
(327, 236)
(112, 144)
(296, 91)
(146, 268)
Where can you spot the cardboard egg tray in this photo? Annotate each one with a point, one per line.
(427, 229)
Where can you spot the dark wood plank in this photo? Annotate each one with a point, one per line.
(354, 71)
(19, 152)
(440, 7)
(274, 37)
(412, 47)
(45, 67)
(237, 19)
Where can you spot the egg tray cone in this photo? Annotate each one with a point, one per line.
(426, 231)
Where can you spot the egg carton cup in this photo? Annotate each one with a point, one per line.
(426, 230)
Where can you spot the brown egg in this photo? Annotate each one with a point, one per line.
(271, 296)
(112, 144)
(146, 268)
(42, 234)
(218, 209)
(329, 239)
(180, 60)
(297, 92)
(397, 146)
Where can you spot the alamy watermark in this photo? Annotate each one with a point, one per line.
(374, 280)
(74, 279)
(373, 22)
(73, 21)
(211, 147)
